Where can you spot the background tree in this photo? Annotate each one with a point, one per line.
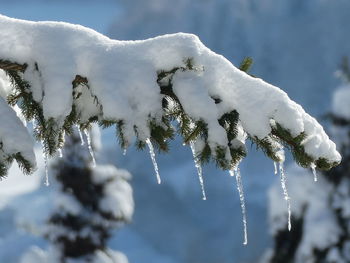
(90, 202)
(321, 217)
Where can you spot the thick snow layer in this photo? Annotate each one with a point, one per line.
(341, 102)
(122, 75)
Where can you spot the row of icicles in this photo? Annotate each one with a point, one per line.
(234, 173)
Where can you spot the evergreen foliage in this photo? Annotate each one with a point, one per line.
(51, 133)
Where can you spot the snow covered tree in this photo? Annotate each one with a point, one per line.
(321, 216)
(91, 202)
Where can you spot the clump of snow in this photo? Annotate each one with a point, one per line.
(5, 85)
(67, 203)
(14, 137)
(117, 198)
(341, 102)
(122, 75)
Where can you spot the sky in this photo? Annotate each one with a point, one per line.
(76, 12)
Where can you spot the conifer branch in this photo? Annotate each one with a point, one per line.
(52, 135)
(8, 65)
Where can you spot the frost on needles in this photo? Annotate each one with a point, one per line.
(64, 75)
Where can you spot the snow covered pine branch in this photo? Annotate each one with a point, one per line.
(64, 75)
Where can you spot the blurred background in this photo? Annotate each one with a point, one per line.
(296, 45)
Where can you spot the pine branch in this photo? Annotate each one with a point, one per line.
(52, 135)
(8, 65)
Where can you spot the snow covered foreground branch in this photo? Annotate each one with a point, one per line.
(64, 75)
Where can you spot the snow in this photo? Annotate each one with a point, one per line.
(340, 103)
(117, 70)
(117, 198)
(14, 137)
(67, 203)
(5, 85)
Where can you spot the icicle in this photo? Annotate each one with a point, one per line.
(199, 170)
(285, 193)
(153, 157)
(313, 168)
(60, 154)
(34, 125)
(81, 136)
(275, 165)
(90, 148)
(124, 151)
(237, 172)
(47, 183)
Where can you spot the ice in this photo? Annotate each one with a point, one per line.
(285, 193)
(313, 168)
(81, 136)
(237, 173)
(275, 166)
(46, 161)
(153, 157)
(124, 151)
(91, 151)
(199, 170)
(60, 154)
